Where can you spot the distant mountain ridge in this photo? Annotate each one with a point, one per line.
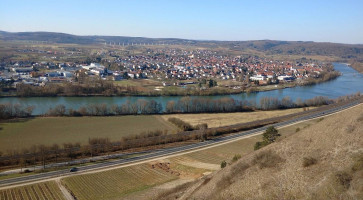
(344, 51)
(76, 39)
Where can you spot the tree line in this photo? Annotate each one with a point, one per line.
(183, 105)
(10, 110)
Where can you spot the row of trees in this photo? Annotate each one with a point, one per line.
(207, 105)
(90, 87)
(141, 106)
(186, 105)
(183, 105)
(42, 154)
(9, 110)
(187, 126)
(273, 103)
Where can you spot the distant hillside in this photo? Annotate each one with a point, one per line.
(323, 161)
(75, 39)
(343, 52)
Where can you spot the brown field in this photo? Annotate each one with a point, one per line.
(116, 183)
(138, 181)
(225, 119)
(45, 190)
(50, 130)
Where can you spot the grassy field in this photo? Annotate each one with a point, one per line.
(46, 190)
(224, 119)
(138, 82)
(50, 130)
(116, 183)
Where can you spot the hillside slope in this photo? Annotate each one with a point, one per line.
(323, 161)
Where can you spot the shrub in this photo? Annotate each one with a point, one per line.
(223, 164)
(181, 124)
(240, 168)
(267, 159)
(360, 118)
(259, 145)
(358, 164)
(297, 130)
(308, 161)
(236, 157)
(349, 128)
(269, 136)
(343, 178)
(201, 126)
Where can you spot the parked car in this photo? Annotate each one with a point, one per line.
(73, 169)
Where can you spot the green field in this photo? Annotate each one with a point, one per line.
(50, 130)
(46, 190)
(116, 183)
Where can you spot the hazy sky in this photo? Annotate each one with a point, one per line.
(303, 20)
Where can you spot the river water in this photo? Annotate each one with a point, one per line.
(350, 82)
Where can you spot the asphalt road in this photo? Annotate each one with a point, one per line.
(167, 151)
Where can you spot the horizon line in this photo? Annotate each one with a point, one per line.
(205, 40)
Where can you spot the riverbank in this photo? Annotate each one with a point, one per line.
(348, 83)
(357, 66)
(62, 90)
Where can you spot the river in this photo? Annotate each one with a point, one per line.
(350, 82)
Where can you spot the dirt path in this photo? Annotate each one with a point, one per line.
(67, 195)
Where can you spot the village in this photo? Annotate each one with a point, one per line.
(170, 66)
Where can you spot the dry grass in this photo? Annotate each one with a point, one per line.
(267, 159)
(224, 119)
(50, 130)
(337, 174)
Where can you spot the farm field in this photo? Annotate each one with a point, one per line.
(116, 183)
(194, 165)
(50, 130)
(45, 190)
(224, 119)
(139, 180)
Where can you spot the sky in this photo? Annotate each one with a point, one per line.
(291, 20)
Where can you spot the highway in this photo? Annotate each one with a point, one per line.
(168, 151)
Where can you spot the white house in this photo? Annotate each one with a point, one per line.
(258, 77)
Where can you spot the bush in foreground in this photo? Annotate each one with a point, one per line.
(267, 159)
(308, 161)
(344, 179)
(223, 164)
